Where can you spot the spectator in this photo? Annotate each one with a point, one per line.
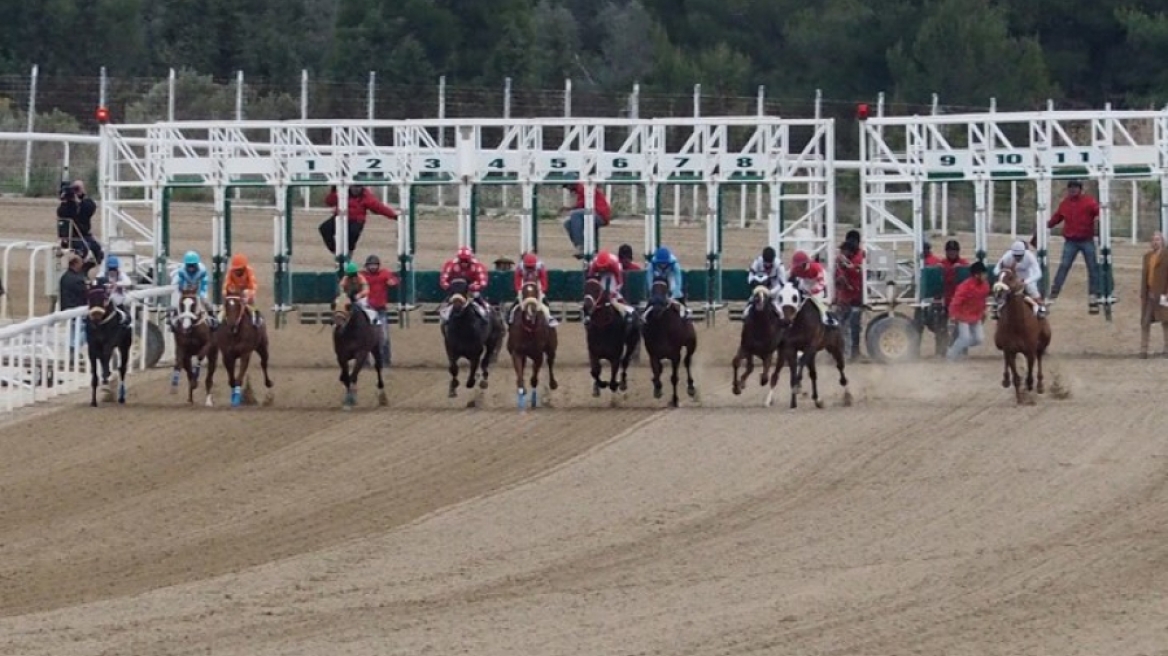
(849, 295)
(75, 223)
(1154, 294)
(1077, 213)
(74, 284)
(625, 255)
(949, 266)
(361, 201)
(927, 257)
(968, 312)
(574, 224)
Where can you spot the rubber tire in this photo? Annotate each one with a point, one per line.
(892, 325)
(155, 345)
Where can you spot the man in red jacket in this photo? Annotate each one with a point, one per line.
(361, 202)
(849, 295)
(379, 281)
(968, 310)
(1077, 213)
(949, 265)
(574, 224)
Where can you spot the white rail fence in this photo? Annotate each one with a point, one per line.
(46, 357)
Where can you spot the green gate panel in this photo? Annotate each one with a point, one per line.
(500, 287)
(314, 287)
(735, 286)
(565, 285)
(635, 289)
(426, 287)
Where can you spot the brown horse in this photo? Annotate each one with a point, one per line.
(105, 334)
(1019, 331)
(666, 333)
(355, 339)
(762, 332)
(236, 339)
(529, 337)
(609, 336)
(194, 345)
(805, 336)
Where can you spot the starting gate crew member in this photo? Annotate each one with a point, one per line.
(1078, 213)
(354, 285)
(119, 283)
(607, 269)
(849, 295)
(664, 266)
(1025, 266)
(949, 265)
(967, 310)
(465, 266)
(191, 275)
(361, 201)
(240, 280)
(625, 255)
(574, 224)
(532, 269)
(768, 270)
(927, 257)
(810, 278)
(379, 281)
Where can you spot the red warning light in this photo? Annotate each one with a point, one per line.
(102, 114)
(862, 111)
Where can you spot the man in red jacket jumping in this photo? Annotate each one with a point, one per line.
(1078, 213)
(574, 224)
(361, 201)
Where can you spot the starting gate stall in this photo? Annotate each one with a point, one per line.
(792, 158)
(901, 155)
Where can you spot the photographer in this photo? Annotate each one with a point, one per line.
(74, 221)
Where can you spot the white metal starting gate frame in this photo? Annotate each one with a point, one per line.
(901, 155)
(794, 158)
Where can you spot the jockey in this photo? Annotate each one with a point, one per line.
(664, 266)
(354, 285)
(241, 280)
(532, 269)
(191, 275)
(118, 283)
(608, 270)
(1026, 267)
(767, 270)
(464, 265)
(809, 277)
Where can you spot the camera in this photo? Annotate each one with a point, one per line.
(66, 192)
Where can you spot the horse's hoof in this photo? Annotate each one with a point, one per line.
(534, 399)
(673, 403)
(483, 384)
(470, 403)
(692, 391)
(453, 393)
(819, 403)
(762, 380)
(269, 398)
(770, 399)
(93, 404)
(595, 391)
(737, 390)
(1005, 384)
(847, 399)
(553, 385)
(1041, 389)
(624, 385)
(382, 399)
(657, 394)
(210, 403)
(602, 384)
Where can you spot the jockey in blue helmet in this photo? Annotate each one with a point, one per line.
(191, 275)
(664, 266)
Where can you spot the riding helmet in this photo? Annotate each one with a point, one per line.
(768, 255)
(662, 256)
(530, 261)
(191, 258)
(351, 268)
(799, 259)
(1019, 248)
(465, 254)
(238, 261)
(112, 263)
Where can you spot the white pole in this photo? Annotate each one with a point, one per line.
(697, 103)
(933, 185)
(634, 113)
(441, 130)
(567, 114)
(238, 109)
(102, 88)
(32, 92)
(304, 192)
(761, 110)
(171, 83)
(372, 94)
(506, 115)
(1135, 212)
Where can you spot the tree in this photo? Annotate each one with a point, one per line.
(626, 55)
(557, 43)
(964, 53)
(1146, 79)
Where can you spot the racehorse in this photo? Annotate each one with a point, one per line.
(804, 337)
(237, 338)
(762, 332)
(1019, 331)
(355, 339)
(529, 337)
(609, 337)
(666, 333)
(470, 336)
(105, 332)
(194, 344)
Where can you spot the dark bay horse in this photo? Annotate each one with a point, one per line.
(1019, 331)
(762, 331)
(529, 337)
(237, 338)
(470, 336)
(355, 339)
(610, 337)
(194, 345)
(106, 332)
(805, 335)
(666, 333)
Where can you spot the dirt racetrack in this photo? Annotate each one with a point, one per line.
(932, 517)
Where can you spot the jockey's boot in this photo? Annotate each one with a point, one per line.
(547, 314)
(256, 319)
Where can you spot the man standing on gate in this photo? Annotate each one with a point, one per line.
(75, 222)
(361, 202)
(1078, 213)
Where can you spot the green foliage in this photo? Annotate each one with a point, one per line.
(200, 97)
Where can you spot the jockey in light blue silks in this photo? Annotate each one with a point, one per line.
(664, 266)
(191, 275)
